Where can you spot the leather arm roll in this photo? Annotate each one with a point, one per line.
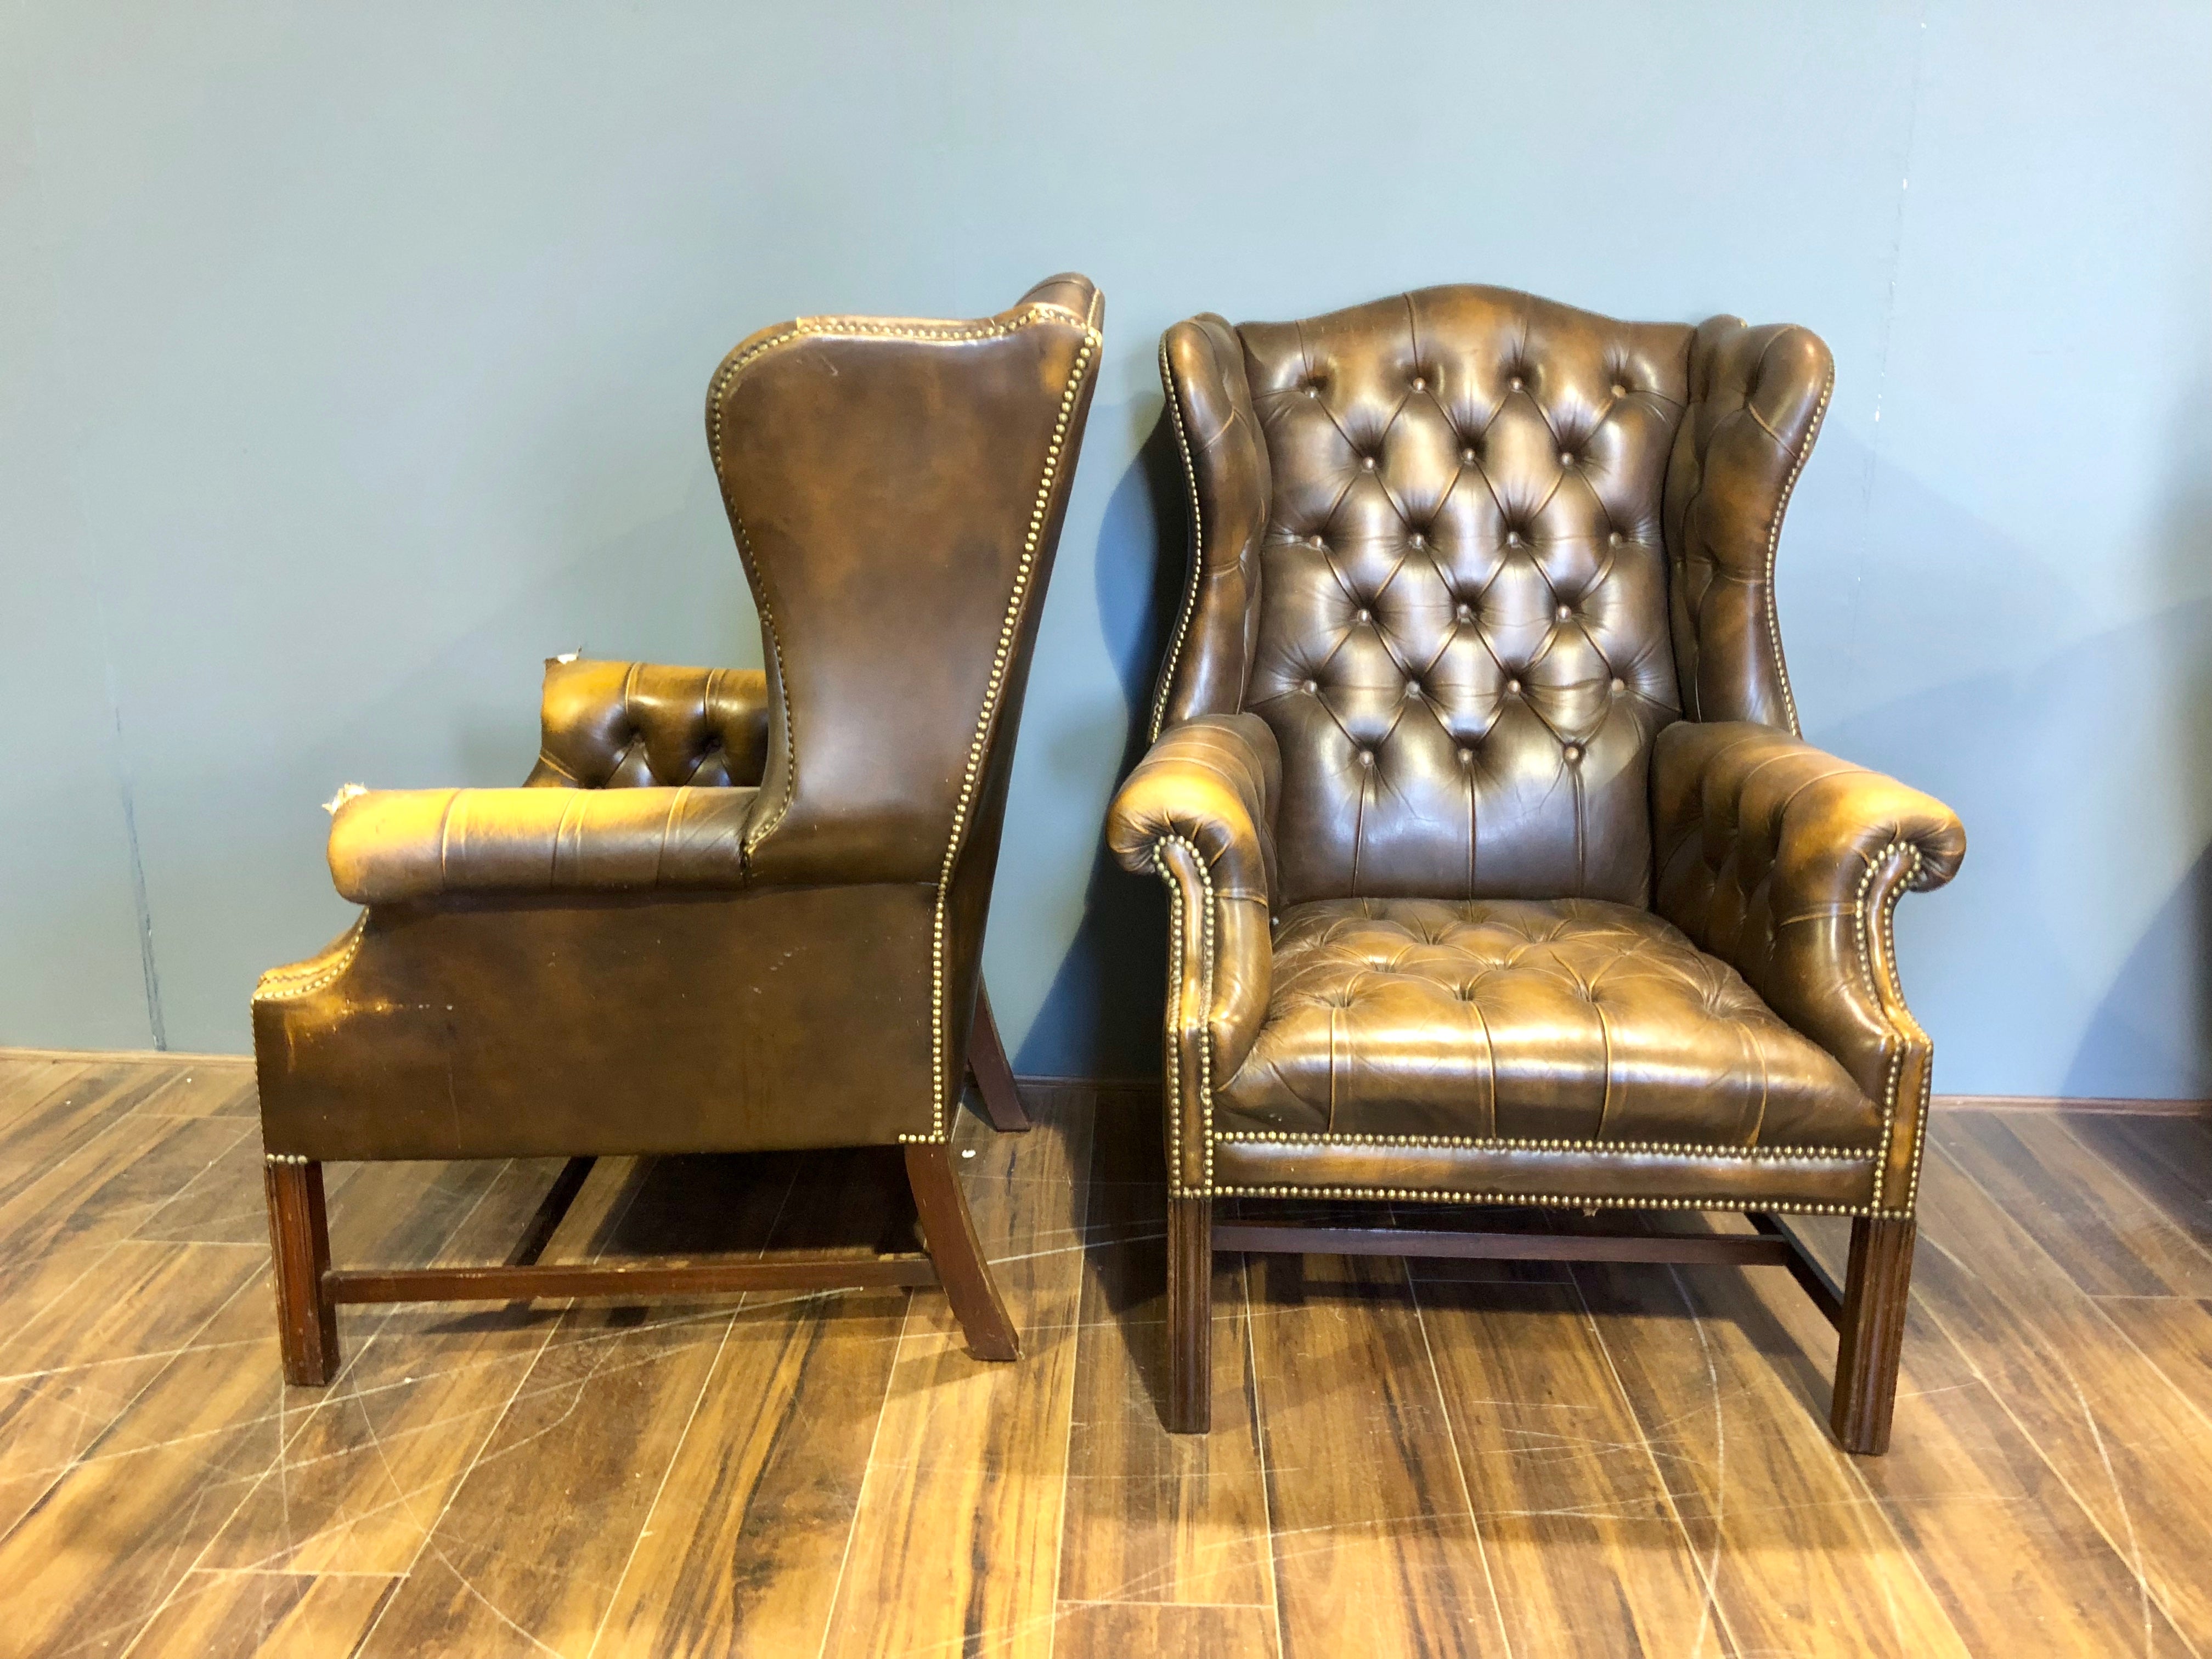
(1199, 809)
(635, 725)
(389, 845)
(1788, 863)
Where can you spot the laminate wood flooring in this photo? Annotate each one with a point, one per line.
(1430, 1459)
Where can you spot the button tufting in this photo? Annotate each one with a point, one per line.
(1513, 688)
(1466, 757)
(1618, 390)
(1568, 457)
(1367, 757)
(1421, 383)
(1413, 688)
(1312, 686)
(1573, 752)
(1314, 541)
(1465, 613)
(1467, 454)
(1514, 382)
(1513, 539)
(1619, 686)
(1563, 612)
(1366, 615)
(1416, 540)
(1613, 540)
(1367, 462)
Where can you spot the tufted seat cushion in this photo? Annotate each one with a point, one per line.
(1570, 1019)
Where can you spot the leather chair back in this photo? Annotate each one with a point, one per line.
(897, 489)
(1439, 566)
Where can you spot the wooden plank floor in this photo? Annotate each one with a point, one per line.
(1459, 1458)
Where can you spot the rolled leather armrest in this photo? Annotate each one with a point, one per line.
(389, 845)
(633, 725)
(1786, 863)
(1199, 808)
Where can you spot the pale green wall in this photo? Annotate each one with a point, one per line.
(354, 354)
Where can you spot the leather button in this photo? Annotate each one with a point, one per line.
(1367, 757)
(1416, 540)
(1620, 391)
(1464, 613)
(1573, 753)
(1566, 457)
(1467, 454)
(1619, 686)
(1367, 463)
(1366, 614)
(1421, 383)
(1313, 388)
(1515, 383)
(1313, 541)
(1563, 612)
(1513, 688)
(1413, 688)
(1313, 686)
(1466, 757)
(1613, 540)
(1513, 539)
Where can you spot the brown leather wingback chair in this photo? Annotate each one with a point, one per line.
(1498, 874)
(731, 911)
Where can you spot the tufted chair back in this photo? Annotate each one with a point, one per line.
(1436, 541)
(897, 489)
(638, 726)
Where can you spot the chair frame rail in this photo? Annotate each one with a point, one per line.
(1867, 1310)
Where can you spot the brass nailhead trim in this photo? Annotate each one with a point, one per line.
(826, 328)
(286, 1158)
(1173, 1046)
(1205, 1037)
(1881, 974)
(283, 991)
(1559, 1200)
(1885, 922)
(1197, 549)
(1774, 541)
(869, 328)
(940, 1038)
(775, 651)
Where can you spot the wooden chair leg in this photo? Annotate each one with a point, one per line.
(994, 1075)
(1872, 1334)
(300, 1242)
(948, 1233)
(1190, 1316)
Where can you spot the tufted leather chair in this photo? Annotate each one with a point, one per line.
(1498, 874)
(730, 910)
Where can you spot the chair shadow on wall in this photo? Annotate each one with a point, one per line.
(1101, 1016)
(2161, 993)
(2062, 751)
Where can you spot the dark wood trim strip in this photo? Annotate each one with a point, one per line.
(2200, 1109)
(151, 1056)
(1741, 1250)
(646, 1279)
